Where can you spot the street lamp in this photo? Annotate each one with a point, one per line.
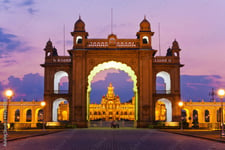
(181, 104)
(221, 94)
(43, 103)
(8, 94)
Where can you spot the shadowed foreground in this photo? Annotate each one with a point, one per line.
(113, 139)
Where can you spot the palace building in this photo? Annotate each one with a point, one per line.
(137, 58)
(111, 108)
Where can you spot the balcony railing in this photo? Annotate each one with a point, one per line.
(163, 92)
(61, 91)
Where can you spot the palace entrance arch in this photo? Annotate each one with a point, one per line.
(114, 65)
(88, 56)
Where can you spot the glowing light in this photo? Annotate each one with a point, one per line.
(221, 93)
(181, 104)
(9, 93)
(43, 103)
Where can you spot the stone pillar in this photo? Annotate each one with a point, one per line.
(79, 98)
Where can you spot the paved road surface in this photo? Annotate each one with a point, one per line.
(113, 139)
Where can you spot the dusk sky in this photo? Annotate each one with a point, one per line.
(198, 26)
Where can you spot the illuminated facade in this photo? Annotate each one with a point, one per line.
(26, 114)
(111, 108)
(136, 57)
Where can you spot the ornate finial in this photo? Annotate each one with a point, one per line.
(144, 16)
(79, 17)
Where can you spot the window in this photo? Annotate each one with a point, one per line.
(207, 119)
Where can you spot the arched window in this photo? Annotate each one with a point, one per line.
(145, 40)
(207, 118)
(29, 115)
(61, 82)
(219, 115)
(163, 87)
(195, 115)
(17, 115)
(79, 40)
(40, 115)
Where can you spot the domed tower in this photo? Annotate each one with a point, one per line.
(50, 50)
(145, 34)
(79, 34)
(175, 49)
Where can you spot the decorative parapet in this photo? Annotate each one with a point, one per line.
(117, 43)
(166, 59)
(58, 59)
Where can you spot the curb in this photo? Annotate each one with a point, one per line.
(196, 136)
(24, 137)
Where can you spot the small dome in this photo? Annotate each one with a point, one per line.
(145, 25)
(175, 45)
(49, 44)
(79, 25)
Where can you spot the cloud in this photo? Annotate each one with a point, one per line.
(16, 6)
(10, 43)
(198, 87)
(30, 87)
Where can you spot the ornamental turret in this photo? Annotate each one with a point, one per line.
(145, 34)
(79, 34)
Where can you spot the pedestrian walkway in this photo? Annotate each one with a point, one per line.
(214, 135)
(20, 134)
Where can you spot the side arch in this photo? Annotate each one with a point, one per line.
(168, 105)
(55, 108)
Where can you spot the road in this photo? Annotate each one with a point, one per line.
(113, 139)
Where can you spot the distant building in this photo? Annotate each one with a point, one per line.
(111, 108)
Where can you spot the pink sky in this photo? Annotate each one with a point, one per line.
(198, 26)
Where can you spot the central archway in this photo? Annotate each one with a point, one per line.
(114, 65)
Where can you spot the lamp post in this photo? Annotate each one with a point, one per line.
(181, 104)
(9, 94)
(221, 93)
(43, 103)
